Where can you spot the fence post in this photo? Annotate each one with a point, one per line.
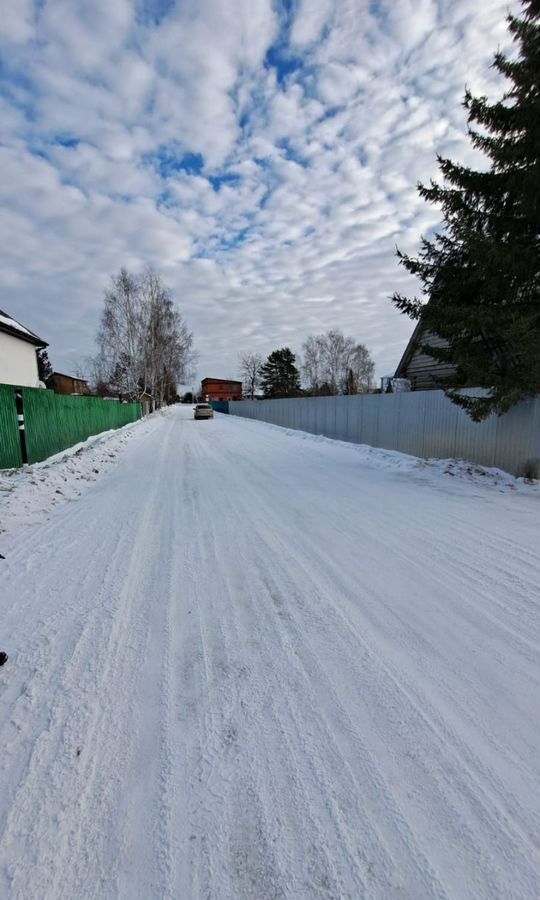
(20, 421)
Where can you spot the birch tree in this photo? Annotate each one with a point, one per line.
(334, 363)
(313, 363)
(144, 344)
(119, 335)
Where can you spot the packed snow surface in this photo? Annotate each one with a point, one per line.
(247, 664)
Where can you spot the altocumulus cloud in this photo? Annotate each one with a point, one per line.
(262, 156)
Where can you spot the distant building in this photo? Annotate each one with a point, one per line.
(147, 403)
(67, 384)
(221, 389)
(18, 356)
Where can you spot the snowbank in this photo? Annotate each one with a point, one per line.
(379, 458)
(29, 494)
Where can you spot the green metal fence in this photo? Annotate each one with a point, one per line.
(54, 422)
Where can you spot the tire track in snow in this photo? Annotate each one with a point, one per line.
(198, 877)
(322, 788)
(37, 663)
(425, 526)
(448, 738)
(314, 552)
(489, 808)
(367, 850)
(41, 786)
(268, 716)
(96, 669)
(418, 703)
(240, 804)
(419, 707)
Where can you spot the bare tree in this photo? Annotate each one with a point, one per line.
(144, 344)
(336, 364)
(250, 366)
(362, 367)
(313, 363)
(337, 354)
(120, 334)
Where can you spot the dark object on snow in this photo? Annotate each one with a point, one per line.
(3, 658)
(2, 557)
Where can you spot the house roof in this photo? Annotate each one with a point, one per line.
(409, 350)
(499, 349)
(72, 377)
(9, 325)
(222, 380)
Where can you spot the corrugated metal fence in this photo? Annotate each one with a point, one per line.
(221, 406)
(421, 423)
(53, 422)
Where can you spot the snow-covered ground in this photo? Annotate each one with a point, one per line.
(246, 663)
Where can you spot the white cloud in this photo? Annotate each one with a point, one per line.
(17, 21)
(316, 169)
(310, 21)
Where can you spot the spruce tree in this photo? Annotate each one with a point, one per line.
(481, 273)
(279, 375)
(44, 365)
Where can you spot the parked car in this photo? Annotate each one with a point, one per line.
(203, 411)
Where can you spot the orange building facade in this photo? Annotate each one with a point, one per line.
(221, 389)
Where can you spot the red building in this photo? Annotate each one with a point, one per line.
(221, 389)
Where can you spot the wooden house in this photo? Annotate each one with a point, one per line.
(420, 369)
(67, 384)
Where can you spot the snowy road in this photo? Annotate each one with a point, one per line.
(248, 665)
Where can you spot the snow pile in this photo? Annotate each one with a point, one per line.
(28, 495)
(379, 458)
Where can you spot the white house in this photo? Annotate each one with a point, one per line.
(18, 357)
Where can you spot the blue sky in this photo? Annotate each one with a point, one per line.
(262, 156)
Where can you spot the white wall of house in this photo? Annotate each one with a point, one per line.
(18, 362)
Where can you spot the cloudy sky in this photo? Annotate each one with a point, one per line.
(262, 155)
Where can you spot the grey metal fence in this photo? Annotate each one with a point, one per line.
(421, 423)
